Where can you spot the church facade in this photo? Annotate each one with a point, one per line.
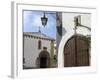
(38, 50)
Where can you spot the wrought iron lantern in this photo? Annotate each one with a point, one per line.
(44, 20)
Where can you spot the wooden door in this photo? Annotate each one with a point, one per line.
(43, 62)
(44, 59)
(76, 52)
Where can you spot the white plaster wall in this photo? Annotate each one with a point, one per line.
(68, 31)
(31, 51)
(68, 22)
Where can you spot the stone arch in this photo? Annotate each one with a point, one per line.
(61, 47)
(63, 41)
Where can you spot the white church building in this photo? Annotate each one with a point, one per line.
(38, 50)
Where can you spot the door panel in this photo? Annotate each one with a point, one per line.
(69, 54)
(83, 52)
(43, 62)
(76, 52)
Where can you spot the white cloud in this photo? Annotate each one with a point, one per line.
(36, 21)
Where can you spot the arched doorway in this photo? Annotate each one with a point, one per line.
(76, 51)
(44, 59)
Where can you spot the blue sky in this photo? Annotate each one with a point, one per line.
(32, 22)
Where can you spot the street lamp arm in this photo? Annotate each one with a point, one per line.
(85, 27)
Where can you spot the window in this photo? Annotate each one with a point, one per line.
(39, 44)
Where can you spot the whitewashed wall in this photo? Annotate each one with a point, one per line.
(68, 22)
(31, 51)
(68, 31)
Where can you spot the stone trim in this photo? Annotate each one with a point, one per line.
(36, 37)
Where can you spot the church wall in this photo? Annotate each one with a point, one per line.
(31, 51)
